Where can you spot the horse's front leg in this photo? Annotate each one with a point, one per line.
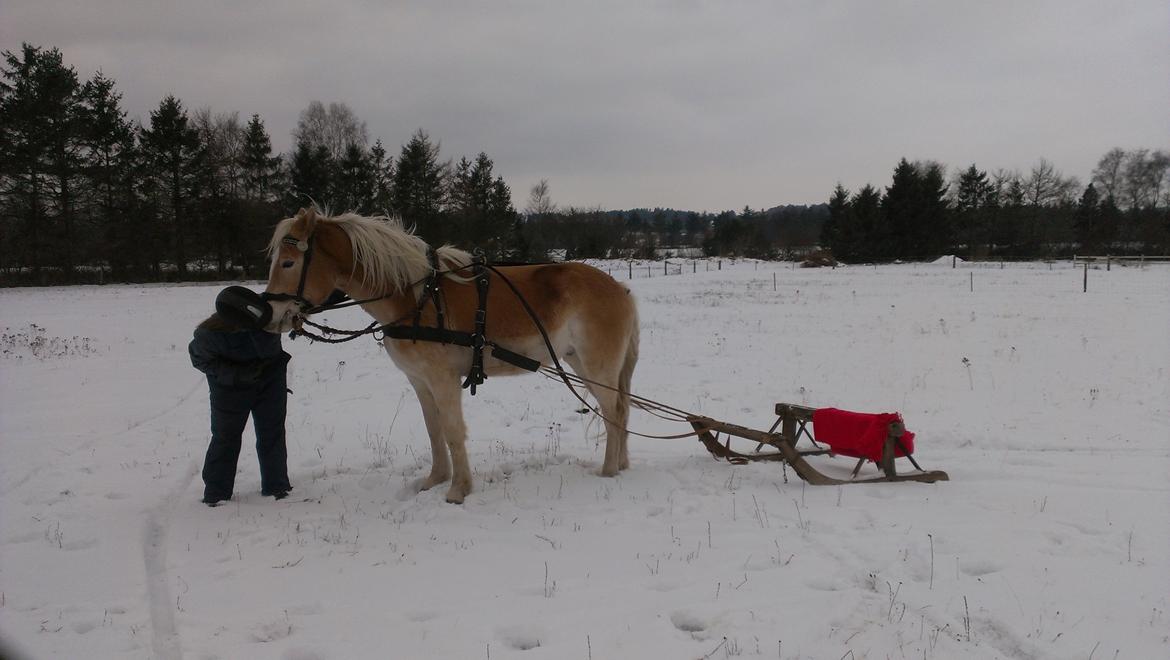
(448, 398)
(440, 459)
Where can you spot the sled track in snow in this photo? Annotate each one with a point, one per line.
(164, 635)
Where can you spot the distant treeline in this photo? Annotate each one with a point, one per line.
(1124, 209)
(89, 195)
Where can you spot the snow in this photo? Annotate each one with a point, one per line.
(1049, 407)
(947, 260)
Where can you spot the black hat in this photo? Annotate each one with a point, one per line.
(243, 307)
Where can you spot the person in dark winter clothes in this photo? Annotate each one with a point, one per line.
(246, 375)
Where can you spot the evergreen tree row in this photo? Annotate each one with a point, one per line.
(87, 194)
(1125, 209)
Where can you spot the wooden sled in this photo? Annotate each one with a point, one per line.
(793, 423)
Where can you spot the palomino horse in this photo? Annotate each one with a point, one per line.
(591, 320)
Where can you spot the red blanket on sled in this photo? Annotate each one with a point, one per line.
(860, 435)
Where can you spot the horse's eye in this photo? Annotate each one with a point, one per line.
(287, 263)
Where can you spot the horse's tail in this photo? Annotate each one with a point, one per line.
(626, 375)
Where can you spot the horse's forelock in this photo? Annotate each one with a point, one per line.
(282, 229)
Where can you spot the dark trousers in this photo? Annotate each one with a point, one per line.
(266, 402)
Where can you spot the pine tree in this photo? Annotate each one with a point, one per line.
(916, 212)
(936, 234)
(505, 222)
(419, 188)
(171, 149)
(310, 177)
(262, 181)
(903, 215)
(481, 207)
(835, 231)
(260, 167)
(354, 182)
(972, 202)
(868, 228)
(109, 165)
(382, 169)
(40, 164)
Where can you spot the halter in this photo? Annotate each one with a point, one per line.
(306, 247)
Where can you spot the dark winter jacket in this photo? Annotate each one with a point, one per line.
(236, 358)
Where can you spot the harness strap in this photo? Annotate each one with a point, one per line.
(306, 247)
(440, 335)
(476, 375)
(432, 292)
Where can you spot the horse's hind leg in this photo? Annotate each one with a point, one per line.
(615, 420)
(440, 457)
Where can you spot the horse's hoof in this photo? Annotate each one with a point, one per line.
(609, 472)
(430, 482)
(457, 493)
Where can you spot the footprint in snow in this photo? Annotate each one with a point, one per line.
(302, 654)
(272, 631)
(688, 621)
(978, 567)
(521, 637)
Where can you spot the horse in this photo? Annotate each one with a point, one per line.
(590, 319)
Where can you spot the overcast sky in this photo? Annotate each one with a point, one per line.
(689, 104)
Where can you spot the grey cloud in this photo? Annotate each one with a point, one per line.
(705, 105)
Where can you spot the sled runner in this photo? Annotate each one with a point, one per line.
(879, 438)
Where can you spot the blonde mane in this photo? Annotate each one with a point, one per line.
(391, 256)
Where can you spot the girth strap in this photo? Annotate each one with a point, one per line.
(458, 338)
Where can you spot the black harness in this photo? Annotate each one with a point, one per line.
(476, 340)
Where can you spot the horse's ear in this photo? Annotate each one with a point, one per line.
(309, 215)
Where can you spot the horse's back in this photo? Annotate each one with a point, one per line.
(571, 284)
(561, 295)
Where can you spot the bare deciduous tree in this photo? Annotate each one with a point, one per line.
(1107, 175)
(334, 128)
(222, 136)
(539, 202)
(1046, 186)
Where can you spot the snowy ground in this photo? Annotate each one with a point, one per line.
(1049, 407)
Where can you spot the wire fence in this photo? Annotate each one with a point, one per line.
(629, 269)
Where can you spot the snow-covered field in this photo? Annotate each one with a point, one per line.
(1049, 407)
